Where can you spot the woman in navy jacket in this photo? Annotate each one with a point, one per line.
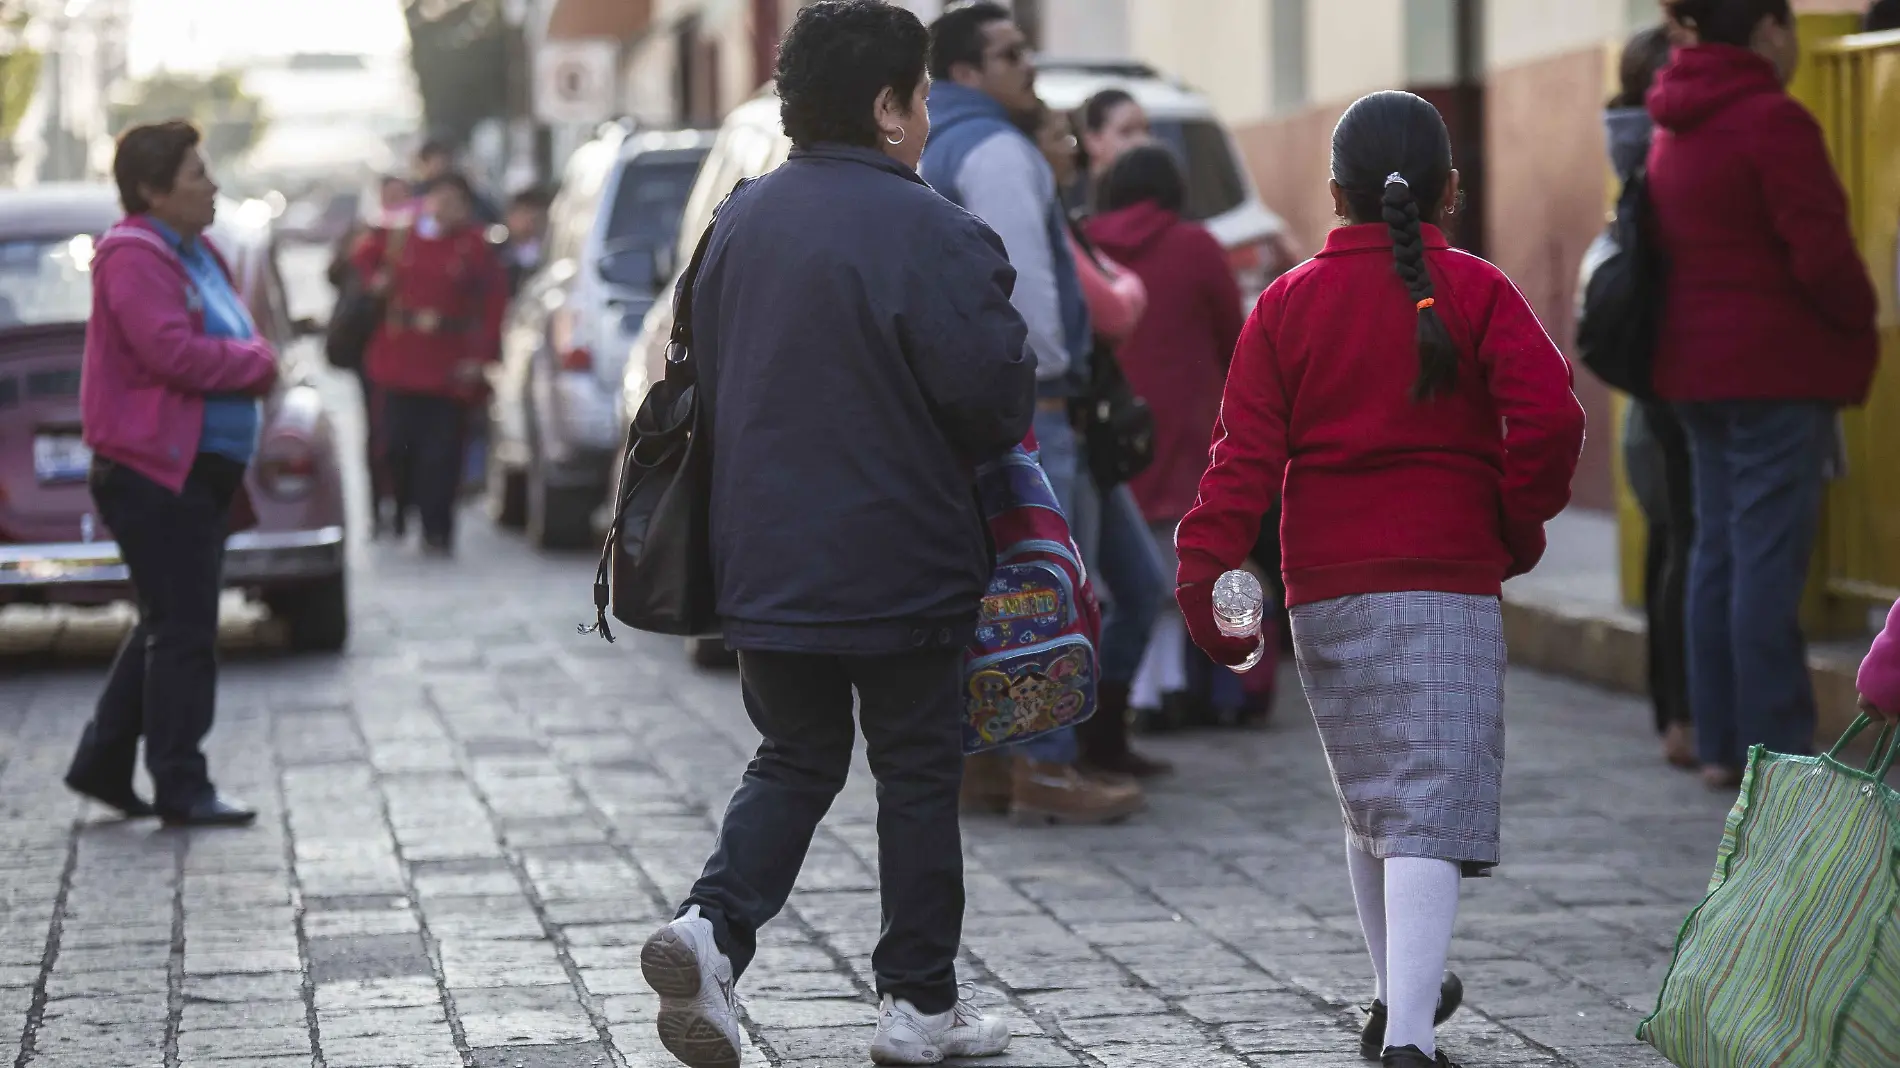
(859, 356)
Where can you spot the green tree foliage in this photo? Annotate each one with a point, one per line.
(460, 52)
(232, 120)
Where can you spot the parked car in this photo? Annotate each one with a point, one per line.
(53, 546)
(611, 237)
(1221, 194)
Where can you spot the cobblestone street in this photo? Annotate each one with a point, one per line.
(473, 819)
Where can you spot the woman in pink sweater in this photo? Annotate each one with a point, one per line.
(1879, 681)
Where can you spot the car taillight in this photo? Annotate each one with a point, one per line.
(578, 359)
(287, 468)
(565, 341)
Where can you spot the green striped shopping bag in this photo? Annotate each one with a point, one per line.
(1793, 958)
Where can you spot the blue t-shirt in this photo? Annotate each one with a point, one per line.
(231, 420)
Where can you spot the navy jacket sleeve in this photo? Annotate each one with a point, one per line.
(965, 341)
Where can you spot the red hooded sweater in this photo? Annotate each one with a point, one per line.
(445, 309)
(1381, 493)
(1768, 298)
(1177, 357)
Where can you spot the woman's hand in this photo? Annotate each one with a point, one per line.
(1890, 716)
(1197, 610)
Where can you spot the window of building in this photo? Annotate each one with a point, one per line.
(1288, 28)
(1644, 13)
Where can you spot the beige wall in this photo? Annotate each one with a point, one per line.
(1221, 47)
(1353, 47)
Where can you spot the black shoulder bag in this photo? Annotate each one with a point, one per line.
(1116, 425)
(1620, 295)
(656, 566)
(360, 311)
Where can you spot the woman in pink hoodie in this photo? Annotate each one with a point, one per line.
(168, 397)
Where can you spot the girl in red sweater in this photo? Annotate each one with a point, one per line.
(1418, 427)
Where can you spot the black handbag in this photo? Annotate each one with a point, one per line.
(1118, 429)
(656, 566)
(1116, 425)
(1620, 295)
(359, 312)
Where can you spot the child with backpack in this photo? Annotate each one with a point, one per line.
(1418, 429)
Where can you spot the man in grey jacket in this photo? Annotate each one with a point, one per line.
(981, 72)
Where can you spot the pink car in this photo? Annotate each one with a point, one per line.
(53, 547)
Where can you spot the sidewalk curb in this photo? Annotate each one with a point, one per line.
(1608, 648)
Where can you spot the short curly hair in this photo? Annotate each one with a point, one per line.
(835, 60)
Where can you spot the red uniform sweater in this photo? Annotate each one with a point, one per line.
(445, 310)
(1768, 298)
(1381, 493)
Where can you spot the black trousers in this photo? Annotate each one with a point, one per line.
(164, 681)
(423, 434)
(909, 709)
(374, 455)
(1666, 571)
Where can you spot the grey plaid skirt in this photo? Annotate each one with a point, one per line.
(1408, 693)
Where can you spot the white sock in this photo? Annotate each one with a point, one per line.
(1421, 905)
(1368, 894)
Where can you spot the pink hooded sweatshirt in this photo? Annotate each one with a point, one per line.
(148, 362)
(1879, 680)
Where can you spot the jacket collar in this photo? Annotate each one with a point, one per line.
(870, 157)
(1367, 237)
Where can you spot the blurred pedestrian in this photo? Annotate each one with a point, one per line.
(982, 74)
(527, 223)
(851, 400)
(436, 160)
(1112, 122)
(446, 292)
(1176, 358)
(1134, 574)
(1656, 448)
(390, 210)
(172, 373)
(1371, 400)
(1767, 332)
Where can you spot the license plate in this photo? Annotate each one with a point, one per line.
(61, 458)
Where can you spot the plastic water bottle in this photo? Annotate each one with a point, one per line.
(1239, 609)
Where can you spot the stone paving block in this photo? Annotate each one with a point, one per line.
(62, 985)
(298, 1061)
(349, 995)
(1168, 1057)
(392, 921)
(797, 985)
(436, 1050)
(1245, 1006)
(522, 1016)
(241, 962)
(472, 963)
(1309, 1032)
(368, 957)
(210, 1015)
(566, 1055)
(241, 988)
(605, 982)
(240, 1043)
(1106, 1031)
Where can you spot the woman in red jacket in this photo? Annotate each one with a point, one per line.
(447, 291)
(1768, 330)
(1419, 428)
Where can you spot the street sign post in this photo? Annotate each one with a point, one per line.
(575, 81)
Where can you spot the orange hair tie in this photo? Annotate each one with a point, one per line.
(1426, 303)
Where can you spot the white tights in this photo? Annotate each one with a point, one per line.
(1407, 907)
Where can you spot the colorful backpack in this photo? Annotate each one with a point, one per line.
(1032, 668)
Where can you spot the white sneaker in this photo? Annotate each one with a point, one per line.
(906, 1036)
(699, 1021)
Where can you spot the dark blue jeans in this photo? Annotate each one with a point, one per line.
(1127, 563)
(164, 683)
(910, 708)
(1759, 477)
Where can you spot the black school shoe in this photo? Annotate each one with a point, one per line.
(1410, 1057)
(1451, 994)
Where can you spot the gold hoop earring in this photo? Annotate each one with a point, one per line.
(898, 140)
